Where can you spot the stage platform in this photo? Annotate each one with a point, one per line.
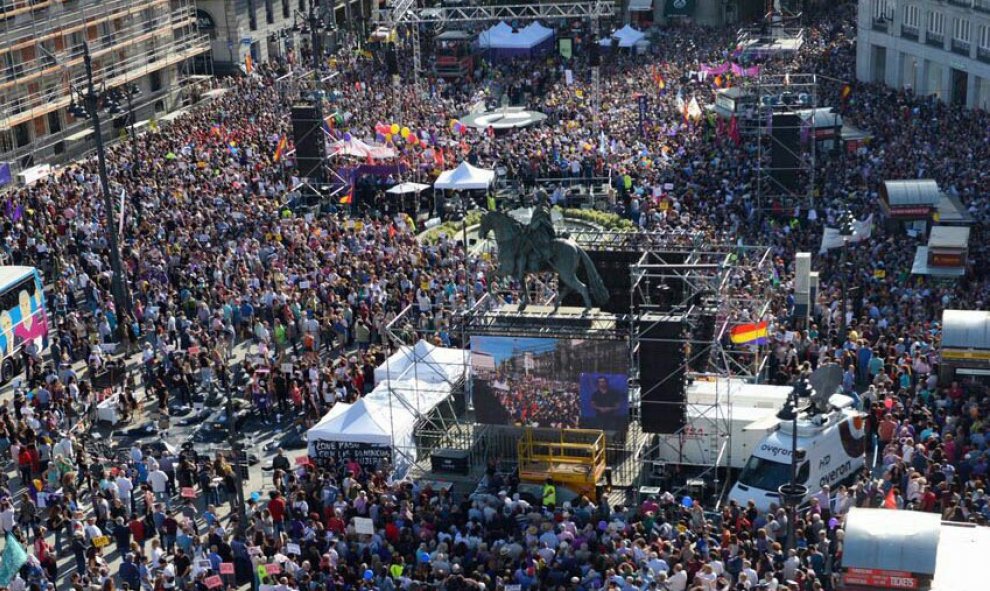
(497, 319)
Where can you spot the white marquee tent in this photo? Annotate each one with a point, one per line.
(627, 37)
(501, 36)
(465, 177)
(408, 386)
(424, 362)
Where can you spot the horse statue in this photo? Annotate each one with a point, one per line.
(520, 255)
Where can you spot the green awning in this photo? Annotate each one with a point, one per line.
(679, 8)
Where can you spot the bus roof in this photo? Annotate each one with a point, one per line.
(12, 273)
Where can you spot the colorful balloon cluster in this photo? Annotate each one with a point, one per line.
(389, 132)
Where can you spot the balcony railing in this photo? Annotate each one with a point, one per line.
(909, 32)
(983, 54)
(935, 39)
(880, 24)
(961, 47)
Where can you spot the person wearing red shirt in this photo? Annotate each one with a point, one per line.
(276, 506)
(137, 530)
(335, 523)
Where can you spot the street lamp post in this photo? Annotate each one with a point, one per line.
(91, 103)
(236, 451)
(847, 229)
(127, 93)
(792, 493)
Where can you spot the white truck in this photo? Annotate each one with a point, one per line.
(726, 419)
(834, 447)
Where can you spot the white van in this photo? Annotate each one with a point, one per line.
(835, 451)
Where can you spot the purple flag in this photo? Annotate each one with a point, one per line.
(18, 213)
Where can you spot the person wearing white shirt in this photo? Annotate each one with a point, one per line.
(706, 578)
(124, 488)
(751, 575)
(678, 580)
(159, 484)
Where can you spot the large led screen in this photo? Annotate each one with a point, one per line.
(559, 383)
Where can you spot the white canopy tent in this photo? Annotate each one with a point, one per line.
(501, 36)
(626, 36)
(408, 387)
(424, 362)
(465, 177)
(364, 431)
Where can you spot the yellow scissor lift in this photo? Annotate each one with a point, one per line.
(574, 458)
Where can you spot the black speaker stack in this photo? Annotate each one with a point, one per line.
(661, 374)
(785, 151)
(307, 136)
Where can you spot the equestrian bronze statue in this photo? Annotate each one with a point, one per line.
(535, 248)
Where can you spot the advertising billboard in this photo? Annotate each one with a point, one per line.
(558, 383)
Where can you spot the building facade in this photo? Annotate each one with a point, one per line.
(275, 29)
(933, 47)
(148, 44)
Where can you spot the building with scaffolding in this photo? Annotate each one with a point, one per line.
(276, 30)
(150, 44)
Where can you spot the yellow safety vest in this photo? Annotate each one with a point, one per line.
(549, 495)
(491, 202)
(396, 570)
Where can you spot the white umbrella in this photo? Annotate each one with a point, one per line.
(405, 188)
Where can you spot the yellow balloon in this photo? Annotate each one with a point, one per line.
(394, 129)
(405, 132)
(388, 137)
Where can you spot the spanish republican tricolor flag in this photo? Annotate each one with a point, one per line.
(283, 143)
(745, 334)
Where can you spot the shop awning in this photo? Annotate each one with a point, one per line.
(921, 267)
(881, 539)
(640, 5)
(679, 7)
(965, 329)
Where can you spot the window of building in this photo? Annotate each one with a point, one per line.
(960, 29)
(286, 11)
(252, 15)
(983, 39)
(883, 10)
(912, 16)
(935, 29)
(936, 23)
(269, 12)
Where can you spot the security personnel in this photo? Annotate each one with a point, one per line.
(490, 201)
(549, 495)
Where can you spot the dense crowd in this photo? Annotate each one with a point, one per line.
(213, 258)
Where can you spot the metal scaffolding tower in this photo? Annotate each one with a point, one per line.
(706, 287)
(405, 12)
(786, 146)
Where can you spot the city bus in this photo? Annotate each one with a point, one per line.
(22, 317)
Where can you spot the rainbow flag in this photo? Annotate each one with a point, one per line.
(248, 64)
(846, 91)
(744, 334)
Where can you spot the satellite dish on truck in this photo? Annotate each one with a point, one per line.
(824, 382)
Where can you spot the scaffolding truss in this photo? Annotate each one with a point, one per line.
(405, 12)
(701, 292)
(442, 425)
(786, 148)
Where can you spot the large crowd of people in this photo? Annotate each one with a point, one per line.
(213, 258)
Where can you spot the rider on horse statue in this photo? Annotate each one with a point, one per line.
(539, 234)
